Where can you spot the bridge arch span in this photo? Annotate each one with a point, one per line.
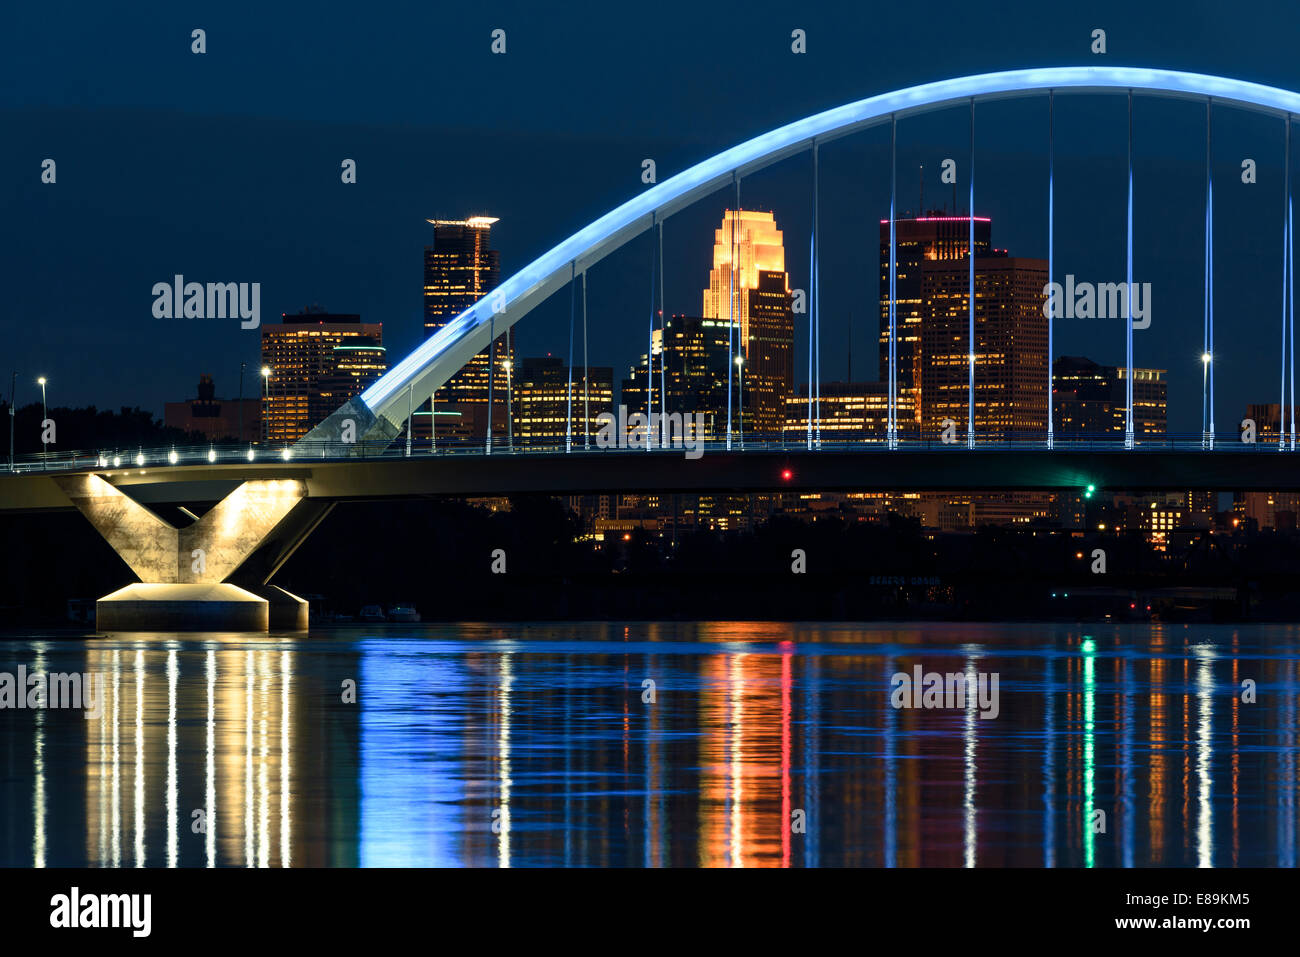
(381, 409)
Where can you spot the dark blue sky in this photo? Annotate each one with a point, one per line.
(225, 167)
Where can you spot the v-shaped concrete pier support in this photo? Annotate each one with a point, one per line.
(184, 572)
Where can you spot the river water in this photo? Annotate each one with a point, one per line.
(657, 744)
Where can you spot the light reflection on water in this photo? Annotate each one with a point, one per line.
(764, 745)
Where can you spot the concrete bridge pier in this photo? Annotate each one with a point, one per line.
(211, 575)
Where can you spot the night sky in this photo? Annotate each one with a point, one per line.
(225, 167)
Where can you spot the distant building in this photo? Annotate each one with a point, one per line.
(749, 284)
(690, 373)
(848, 410)
(217, 419)
(316, 361)
(1010, 348)
(937, 237)
(541, 407)
(1265, 416)
(460, 268)
(1091, 399)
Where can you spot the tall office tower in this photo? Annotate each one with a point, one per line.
(690, 374)
(316, 361)
(1091, 400)
(540, 403)
(1010, 348)
(936, 237)
(460, 268)
(763, 308)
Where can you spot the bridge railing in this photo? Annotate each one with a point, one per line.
(110, 459)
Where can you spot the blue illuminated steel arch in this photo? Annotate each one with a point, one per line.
(382, 408)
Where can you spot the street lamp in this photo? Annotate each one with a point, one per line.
(13, 384)
(241, 400)
(44, 416)
(740, 396)
(266, 403)
(510, 398)
(1207, 414)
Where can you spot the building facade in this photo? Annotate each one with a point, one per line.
(542, 410)
(748, 285)
(847, 411)
(315, 362)
(1010, 347)
(217, 419)
(934, 238)
(460, 268)
(1091, 399)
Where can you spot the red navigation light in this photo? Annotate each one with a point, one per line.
(786, 475)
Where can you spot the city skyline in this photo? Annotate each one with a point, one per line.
(345, 255)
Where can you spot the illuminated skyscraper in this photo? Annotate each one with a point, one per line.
(757, 280)
(459, 269)
(1010, 348)
(937, 237)
(316, 361)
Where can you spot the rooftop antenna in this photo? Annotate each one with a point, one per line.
(921, 176)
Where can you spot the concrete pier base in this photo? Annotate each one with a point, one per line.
(153, 607)
(287, 612)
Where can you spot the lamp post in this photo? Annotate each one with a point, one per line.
(740, 395)
(266, 402)
(13, 384)
(44, 415)
(1207, 415)
(241, 400)
(510, 398)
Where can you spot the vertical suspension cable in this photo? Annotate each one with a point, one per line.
(663, 334)
(739, 291)
(1286, 274)
(650, 343)
(817, 292)
(1291, 297)
(892, 430)
(1051, 250)
(410, 412)
(1209, 273)
(586, 372)
(970, 252)
(573, 305)
(811, 255)
(812, 297)
(731, 295)
(1128, 297)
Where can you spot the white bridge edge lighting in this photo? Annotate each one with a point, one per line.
(439, 357)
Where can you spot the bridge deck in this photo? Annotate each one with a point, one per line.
(609, 471)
